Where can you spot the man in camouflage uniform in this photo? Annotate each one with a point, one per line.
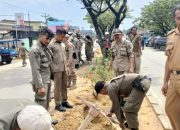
(136, 41)
(81, 41)
(171, 86)
(76, 44)
(70, 56)
(89, 49)
(22, 53)
(40, 60)
(121, 54)
(131, 86)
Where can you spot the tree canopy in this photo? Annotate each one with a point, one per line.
(104, 13)
(158, 16)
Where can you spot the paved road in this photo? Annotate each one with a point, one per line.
(14, 81)
(153, 62)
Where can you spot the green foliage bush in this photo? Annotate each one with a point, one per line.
(99, 72)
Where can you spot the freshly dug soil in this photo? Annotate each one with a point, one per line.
(72, 118)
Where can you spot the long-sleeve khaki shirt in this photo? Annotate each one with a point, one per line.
(120, 86)
(40, 61)
(59, 56)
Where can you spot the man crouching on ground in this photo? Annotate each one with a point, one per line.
(131, 86)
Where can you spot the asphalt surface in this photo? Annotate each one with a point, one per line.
(15, 81)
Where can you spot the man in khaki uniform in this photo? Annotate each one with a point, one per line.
(70, 56)
(136, 41)
(22, 53)
(40, 60)
(131, 86)
(121, 54)
(60, 70)
(171, 86)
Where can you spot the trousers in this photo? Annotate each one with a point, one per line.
(133, 104)
(44, 101)
(60, 87)
(137, 64)
(172, 105)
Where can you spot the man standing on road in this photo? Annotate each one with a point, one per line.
(136, 41)
(131, 86)
(171, 86)
(40, 60)
(122, 57)
(22, 53)
(70, 56)
(60, 71)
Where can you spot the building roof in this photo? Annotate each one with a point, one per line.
(13, 21)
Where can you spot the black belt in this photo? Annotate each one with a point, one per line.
(175, 72)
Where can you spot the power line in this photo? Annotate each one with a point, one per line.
(19, 7)
(6, 15)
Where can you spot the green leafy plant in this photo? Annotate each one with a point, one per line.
(99, 72)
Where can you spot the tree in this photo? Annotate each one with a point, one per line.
(106, 21)
(119, 12)
(96, 8)
(157, 16)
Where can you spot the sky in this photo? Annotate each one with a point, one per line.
(61, 9)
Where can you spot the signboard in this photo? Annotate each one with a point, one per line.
(19, 18)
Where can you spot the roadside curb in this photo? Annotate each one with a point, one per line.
(159, 111)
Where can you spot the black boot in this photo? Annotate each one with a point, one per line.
(134, 129)
(60, 108)
(54, 122)
(67, 105)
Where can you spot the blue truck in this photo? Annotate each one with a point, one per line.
(7, 53)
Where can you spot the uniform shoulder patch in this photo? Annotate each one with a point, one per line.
(170, 32)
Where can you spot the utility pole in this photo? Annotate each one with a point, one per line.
(46, 17)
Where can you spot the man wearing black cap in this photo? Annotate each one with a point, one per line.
(130, 86)
(60, 71)
(40, 60)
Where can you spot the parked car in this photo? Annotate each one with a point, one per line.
(147, 42)
(5, 57)
(7, 53)
(160, 43)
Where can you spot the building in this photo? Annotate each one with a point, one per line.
(29, 30)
